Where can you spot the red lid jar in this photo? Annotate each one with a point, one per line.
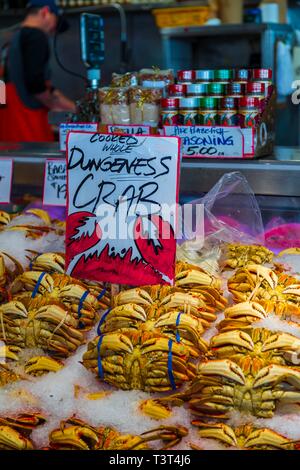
(257, 90)
(177, 90)
(186, 76)
(249, 111)
(264, 76)
(169, 111)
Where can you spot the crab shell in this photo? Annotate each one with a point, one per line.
(238, 256)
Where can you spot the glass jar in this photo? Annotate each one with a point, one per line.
(178, 90)
(205, 76)
(228, 112)
(216, 90)
(188, 111)
(264, 76)
(236, 90)
(249, 111)
(186, 76)
(208, 111)
(257, 90)
(197, 89)
(169, 111)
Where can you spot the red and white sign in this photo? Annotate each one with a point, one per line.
(131, 129)
(122, 207)
(55, 182)
(65, 128)
(209, 142)
(6, 175)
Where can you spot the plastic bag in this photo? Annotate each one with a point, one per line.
(114, 107)
(145, 105)
(231, 215)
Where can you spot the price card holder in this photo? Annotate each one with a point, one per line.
(131, 129)
(209, 142)
(65, 128)
(55, 182)
(6, 174)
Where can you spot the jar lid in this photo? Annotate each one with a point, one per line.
(197, 88)
(216, 88)
(228, 103)
(186, 75)
(262, 74)
(242, 74)
(249, 101)
(209, 102)
(236, 88)
(189, 103)
(205, 75)
(223, 74)
(255, 87)
(170, 103)
(176, 88)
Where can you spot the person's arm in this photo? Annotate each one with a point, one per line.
(55, 101)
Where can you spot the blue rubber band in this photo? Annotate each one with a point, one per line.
(36, 288)
(101, 294)
(100, 368)
(170, 366)
(102, 321)
(80, 305)
(32, 261)
(177, 325)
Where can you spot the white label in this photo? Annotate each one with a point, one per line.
(64, 128)
(122, 208)
(6, 173)
(55, 183)
(209, 142)
(130, 130)
(248, 134)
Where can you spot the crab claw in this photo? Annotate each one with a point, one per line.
(29, 280)
(115, 342)
(74, 292)
(9, 352)
(155, 409)
(189, 304)
(237, 338)
(224, 368)
(18, 268)
(136, 296)
(293, 289)
(14, 308)
(55, 313)
(248, 309)
(282, 341)
(288, 251)
(219, 431)
(41, 364)
(78, 437)
(171, 435)
(5, 218)
(13, 440)
(265, 437)
(162, 344)
(265, 273)
(127, 311)
(275, 374)
(49, 262)
(193, 276)
(41, 214)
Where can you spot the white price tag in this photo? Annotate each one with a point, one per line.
(249, 147)
(55, 183)
(209, 142)
(64, 128)
(6, 174)
(132, 129)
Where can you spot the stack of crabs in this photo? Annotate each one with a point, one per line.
(153, 339)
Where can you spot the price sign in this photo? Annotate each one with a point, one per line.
(122, 207)
(6, 174)
(65, 128)
(131, 129)
(55, 182)
(209, 142)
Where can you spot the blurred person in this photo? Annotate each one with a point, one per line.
(29, 92)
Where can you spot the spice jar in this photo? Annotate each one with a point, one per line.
(257, 90)
(216, 90)
(186, 76)
(169, 111)
(114, 106)
(242, 76)
(249, 111)
(197, 89)
(178, 90)
(223, 76)
(236, 90)
(208, 111)
(228, 112)
(188, 111)
(204, 76)
(264, 76)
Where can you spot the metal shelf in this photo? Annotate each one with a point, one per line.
(276, 175)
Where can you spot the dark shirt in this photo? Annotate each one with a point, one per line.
(35, 55)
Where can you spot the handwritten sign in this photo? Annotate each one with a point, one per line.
(6, 173)
(122, 214)
(132, 129)
(55, 182)
(65, 128)
(209, 142)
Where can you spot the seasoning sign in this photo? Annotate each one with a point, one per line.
(122, 207)
(55, 182)
(132, 129)
(6, 174)
(209, 142)
(65, 128)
